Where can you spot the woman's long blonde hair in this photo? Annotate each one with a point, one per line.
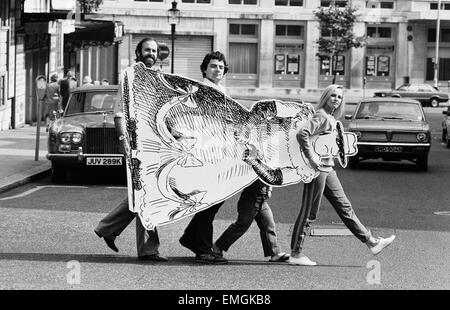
(340, 110)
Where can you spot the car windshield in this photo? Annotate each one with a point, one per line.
(91, 102)
(389, 110)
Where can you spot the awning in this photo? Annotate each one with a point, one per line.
(93, 32)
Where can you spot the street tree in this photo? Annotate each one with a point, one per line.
(336, 28)
(89, 6)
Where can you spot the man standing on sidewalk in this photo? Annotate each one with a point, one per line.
(65, 86)
(52, 99)
(118, 219)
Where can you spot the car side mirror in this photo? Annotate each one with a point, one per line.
(348, 116)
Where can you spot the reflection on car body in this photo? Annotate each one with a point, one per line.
(85, 134)
(425, 93)
(391, 129)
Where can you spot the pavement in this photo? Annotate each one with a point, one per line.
(18, 164)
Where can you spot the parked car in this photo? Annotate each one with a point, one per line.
(392, 129)
(84, 136)
(425, 93)
(446, 126)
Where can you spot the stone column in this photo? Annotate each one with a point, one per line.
(402, 55)
(311, 61)
(357, 59)
(266, 48)
(220, 40)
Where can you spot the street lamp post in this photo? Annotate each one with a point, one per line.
(173, 17)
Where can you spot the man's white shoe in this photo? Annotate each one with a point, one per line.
(301, 261)
(381, 244)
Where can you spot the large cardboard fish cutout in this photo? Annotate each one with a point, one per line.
(192, 146)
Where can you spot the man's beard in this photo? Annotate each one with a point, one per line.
(149, 60)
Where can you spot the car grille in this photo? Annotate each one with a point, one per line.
(404, 137)
(101, 141)
(373, 136)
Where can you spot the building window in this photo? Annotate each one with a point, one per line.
(243, 29)
(287, 59)
(243, 1)
(288, 30)
(338, 3)
(444, 6)
(289, 2)
(243, 48)
(330, 66)
(243, 58)
(379, 32)
(4, 13)
(196, 1)
(444, 69)
(2, 90)
(372, 4)
(444, 35)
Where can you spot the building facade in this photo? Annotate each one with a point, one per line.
(43, 37)
(270, 44)
(12, 66)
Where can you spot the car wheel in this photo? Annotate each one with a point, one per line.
(422, 163)
(353, 162)
(434, 102)
(58, 173)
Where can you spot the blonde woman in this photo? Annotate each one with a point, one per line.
(331, 107)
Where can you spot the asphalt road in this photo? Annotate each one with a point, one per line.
(47, 230)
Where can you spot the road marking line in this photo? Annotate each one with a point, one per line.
(28, 192)
(116, 187)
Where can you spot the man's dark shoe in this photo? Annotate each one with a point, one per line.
(210, 258)
(109, 241)
(153, 258)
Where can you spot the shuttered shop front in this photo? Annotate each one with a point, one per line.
(189, 53)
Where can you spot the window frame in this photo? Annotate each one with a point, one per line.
(243, 39)
(288, 3)
(242, 2)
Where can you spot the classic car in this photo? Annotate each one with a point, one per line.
(392, 129)
(84, 136)
(425, 93)
(446, 127)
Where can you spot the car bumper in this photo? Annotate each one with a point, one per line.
(80, 159)
(393, 151)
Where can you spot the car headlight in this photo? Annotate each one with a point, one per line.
(76, 137)
(65, 137)
(421, 137)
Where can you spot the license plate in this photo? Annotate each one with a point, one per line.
(104, 161)
(388, 149)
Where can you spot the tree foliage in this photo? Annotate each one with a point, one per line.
(336, 31)
(89, 6)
